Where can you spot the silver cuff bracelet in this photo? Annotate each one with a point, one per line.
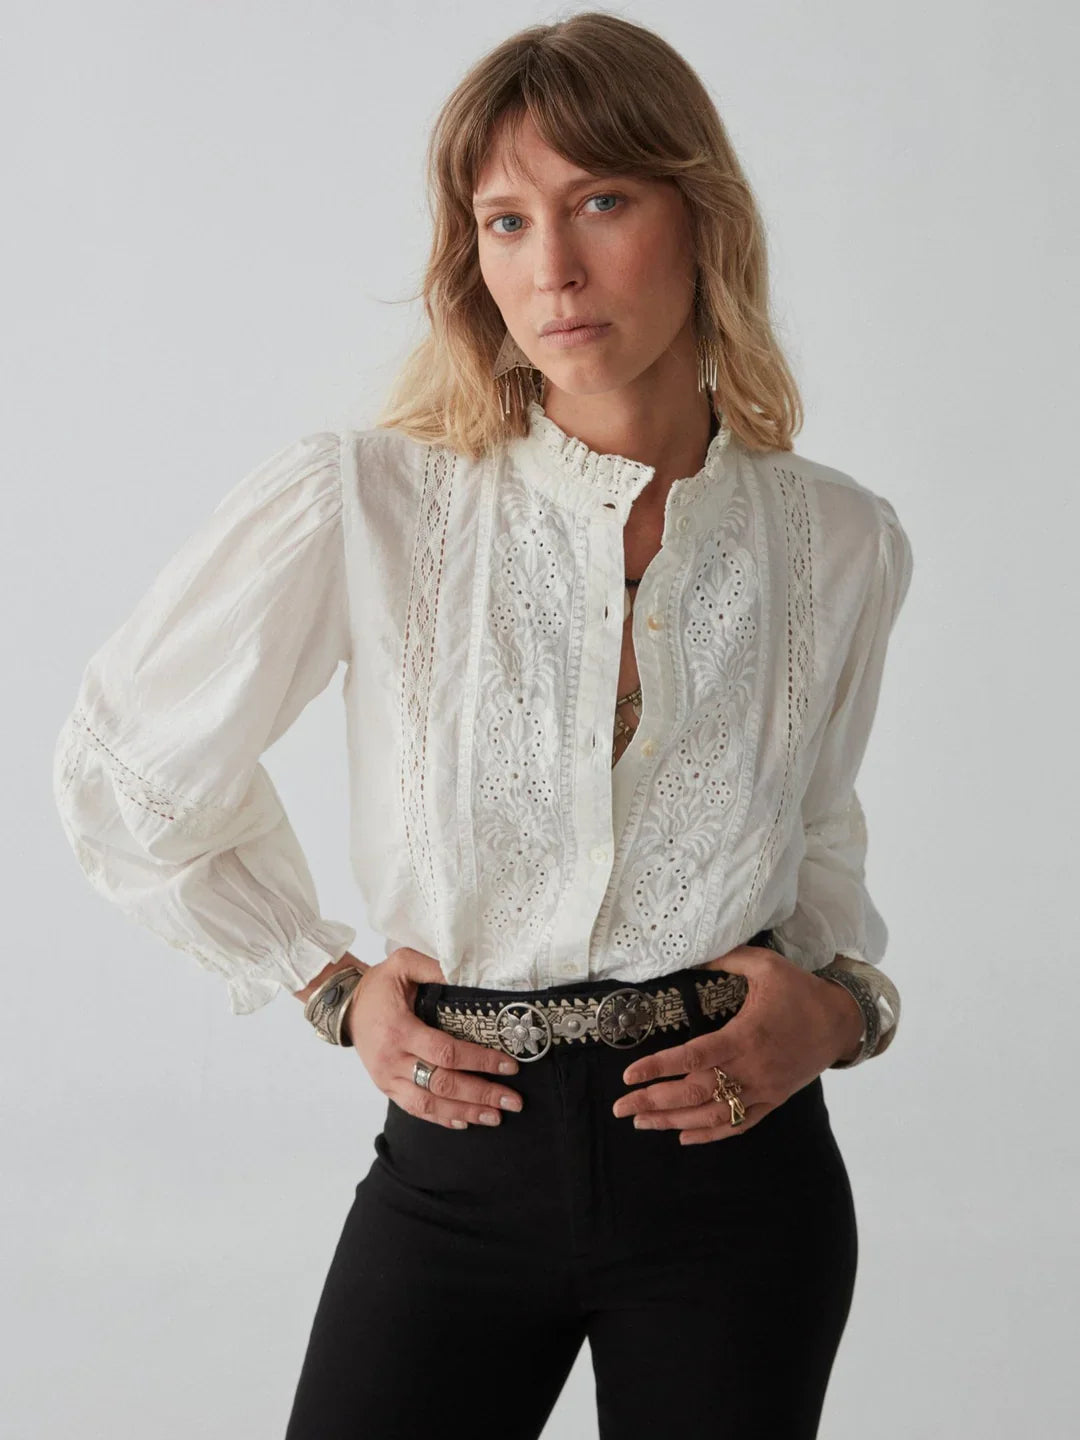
(864, 996)
(326, 1006)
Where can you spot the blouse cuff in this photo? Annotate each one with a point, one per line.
(294, 969)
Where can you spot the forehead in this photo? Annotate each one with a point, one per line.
(520, 160)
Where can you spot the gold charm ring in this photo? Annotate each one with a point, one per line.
(729, 1090)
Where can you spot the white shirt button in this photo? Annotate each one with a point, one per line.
(682, 522)
(599, 853)
(568, 968)
(655, 622)
(648, 746)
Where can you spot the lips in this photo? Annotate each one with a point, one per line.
(580, 324)
(576, 336)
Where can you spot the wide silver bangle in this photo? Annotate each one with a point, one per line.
(864, 996)
(326, 1006)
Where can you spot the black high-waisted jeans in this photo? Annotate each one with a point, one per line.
(712, 1281)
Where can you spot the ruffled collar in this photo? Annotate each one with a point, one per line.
(566, 457)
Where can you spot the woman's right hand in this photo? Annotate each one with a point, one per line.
(389, 1038)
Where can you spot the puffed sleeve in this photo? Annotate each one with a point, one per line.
(156, 770)
(834, 913)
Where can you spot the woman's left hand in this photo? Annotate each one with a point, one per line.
(791, 1026)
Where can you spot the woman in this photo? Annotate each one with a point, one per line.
(613, 652)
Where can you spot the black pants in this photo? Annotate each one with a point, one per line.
(712, 1281)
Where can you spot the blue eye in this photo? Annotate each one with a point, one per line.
(490, 225)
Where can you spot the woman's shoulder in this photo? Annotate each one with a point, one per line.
(380, 460)
(380, 447)
(846, 508)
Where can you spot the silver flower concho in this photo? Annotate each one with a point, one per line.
(520, 1027)
(625, 1017)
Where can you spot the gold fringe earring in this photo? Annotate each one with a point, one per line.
(708, 364)
(509, 364)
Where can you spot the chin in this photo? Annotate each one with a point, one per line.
(579, 381)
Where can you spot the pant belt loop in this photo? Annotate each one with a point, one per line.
(430, 992)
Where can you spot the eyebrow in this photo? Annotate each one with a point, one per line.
(484, 202)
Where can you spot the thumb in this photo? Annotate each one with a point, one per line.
(743, 960)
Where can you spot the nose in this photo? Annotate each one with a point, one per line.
(557, 262)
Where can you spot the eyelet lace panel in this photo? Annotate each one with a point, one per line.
(800, 667)
(521, 849)
(418, 663)
(684, 812)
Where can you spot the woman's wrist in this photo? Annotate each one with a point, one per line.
(346, 1019)
(329, 1004)
(850, 1024)
(324, 974)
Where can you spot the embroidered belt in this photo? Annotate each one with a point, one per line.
(621, 1018)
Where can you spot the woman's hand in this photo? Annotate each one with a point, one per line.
(790, 1028)
(389, 1038)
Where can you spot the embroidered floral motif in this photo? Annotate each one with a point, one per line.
(670, 872)
(674, 850)
(522, 752)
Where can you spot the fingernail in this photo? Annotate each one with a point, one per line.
(488, 1117)
(509, 1102)
(460, 1124)
(508, 1067)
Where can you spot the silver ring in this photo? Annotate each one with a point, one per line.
(422, 1073)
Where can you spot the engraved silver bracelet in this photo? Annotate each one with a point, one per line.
(326, 1006)
(867, 1002)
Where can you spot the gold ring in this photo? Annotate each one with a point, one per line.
(728, 1091)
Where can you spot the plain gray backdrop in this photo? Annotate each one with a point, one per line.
(214, 217)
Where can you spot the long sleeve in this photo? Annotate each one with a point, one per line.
(156, 771)
(835, 918)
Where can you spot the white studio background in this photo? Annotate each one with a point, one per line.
(215, 214)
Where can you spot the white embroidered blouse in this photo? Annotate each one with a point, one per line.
(478, 608)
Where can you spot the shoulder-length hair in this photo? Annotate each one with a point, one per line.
(609, 96)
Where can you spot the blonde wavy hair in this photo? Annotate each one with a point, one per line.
(608, 96)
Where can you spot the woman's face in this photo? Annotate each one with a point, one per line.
(613, 249)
